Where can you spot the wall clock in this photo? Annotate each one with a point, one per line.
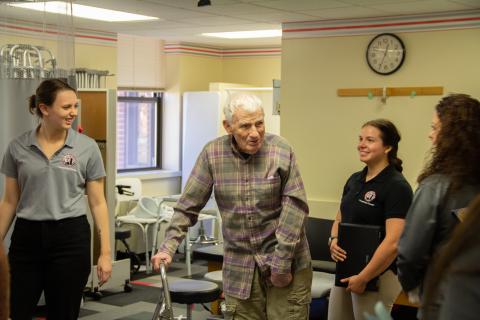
(385, 53)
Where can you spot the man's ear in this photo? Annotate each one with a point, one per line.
(227, 126)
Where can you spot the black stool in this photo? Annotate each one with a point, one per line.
(122, 234)
(189, 292)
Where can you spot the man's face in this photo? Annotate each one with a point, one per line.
(248, 129)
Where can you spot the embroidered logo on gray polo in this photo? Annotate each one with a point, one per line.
(69, 160)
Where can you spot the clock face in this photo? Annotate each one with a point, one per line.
(385, 53)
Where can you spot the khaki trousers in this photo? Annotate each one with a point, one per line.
(267, 302)
(345, 305)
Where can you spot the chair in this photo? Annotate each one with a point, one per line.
(148, 213)
(318, 231)
(129, 191)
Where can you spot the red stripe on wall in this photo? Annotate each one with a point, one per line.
(223, 52)
(254, 51)
(382, 25)
(193, 49)
(57, 33)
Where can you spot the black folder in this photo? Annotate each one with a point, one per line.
(360, 243)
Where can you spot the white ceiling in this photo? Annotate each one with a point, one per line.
(182, 20)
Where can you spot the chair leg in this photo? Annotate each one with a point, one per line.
(189, 311)
(134, 259)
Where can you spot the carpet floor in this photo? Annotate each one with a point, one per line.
(140, 303)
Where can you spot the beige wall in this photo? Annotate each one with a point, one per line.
(323, 128)
(196, 72)
(256, 71)
(98, 57)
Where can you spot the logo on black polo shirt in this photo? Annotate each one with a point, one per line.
(370, 196)
(69, 160)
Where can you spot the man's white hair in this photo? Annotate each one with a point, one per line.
(242, 100)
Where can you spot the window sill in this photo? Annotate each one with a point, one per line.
(151, 175)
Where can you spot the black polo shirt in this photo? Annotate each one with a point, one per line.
(388, 195)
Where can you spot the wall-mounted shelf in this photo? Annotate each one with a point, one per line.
(390, 91)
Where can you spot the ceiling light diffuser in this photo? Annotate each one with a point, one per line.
(246, 34)
(81, 11)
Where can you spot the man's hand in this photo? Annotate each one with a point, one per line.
(104, 268)
(281, 280)
(356, 284)
(161, 257)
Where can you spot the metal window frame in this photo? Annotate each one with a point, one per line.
(158, 98)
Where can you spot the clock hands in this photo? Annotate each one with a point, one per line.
(384, 55)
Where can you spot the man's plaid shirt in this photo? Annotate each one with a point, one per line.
(263, 205)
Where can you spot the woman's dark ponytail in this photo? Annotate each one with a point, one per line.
(32, 106)
(395, 161)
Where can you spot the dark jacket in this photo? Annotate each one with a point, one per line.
(429, 223)
(459, 292)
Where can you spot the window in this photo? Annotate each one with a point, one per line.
(139, 130)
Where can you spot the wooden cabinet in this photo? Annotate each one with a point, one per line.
(94, 114)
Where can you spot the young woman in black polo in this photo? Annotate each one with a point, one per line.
(378, 195)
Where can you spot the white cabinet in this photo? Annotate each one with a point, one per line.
(140, 62)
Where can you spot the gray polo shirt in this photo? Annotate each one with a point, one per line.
(52, 189)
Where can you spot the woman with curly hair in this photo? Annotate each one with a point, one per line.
(448, 183)
(456, 274)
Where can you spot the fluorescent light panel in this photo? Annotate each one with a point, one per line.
(82, 11)
(246, 34)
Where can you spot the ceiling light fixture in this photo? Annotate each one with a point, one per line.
(245, 34)
(81, 11)
(203, 3)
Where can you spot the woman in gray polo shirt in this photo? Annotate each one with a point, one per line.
(47, 173)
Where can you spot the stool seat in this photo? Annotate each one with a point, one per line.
(189, 291)
(122, 233)
(215, 276)
(322, 282)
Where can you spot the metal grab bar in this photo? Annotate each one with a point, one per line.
(164, 310)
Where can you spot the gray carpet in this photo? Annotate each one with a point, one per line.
(141, 302)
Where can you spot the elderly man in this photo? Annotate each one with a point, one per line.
(266, 266)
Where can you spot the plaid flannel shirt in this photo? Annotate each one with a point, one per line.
(263, 205)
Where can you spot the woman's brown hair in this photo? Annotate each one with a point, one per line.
(457, 149)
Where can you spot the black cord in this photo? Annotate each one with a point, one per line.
(206, 308)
